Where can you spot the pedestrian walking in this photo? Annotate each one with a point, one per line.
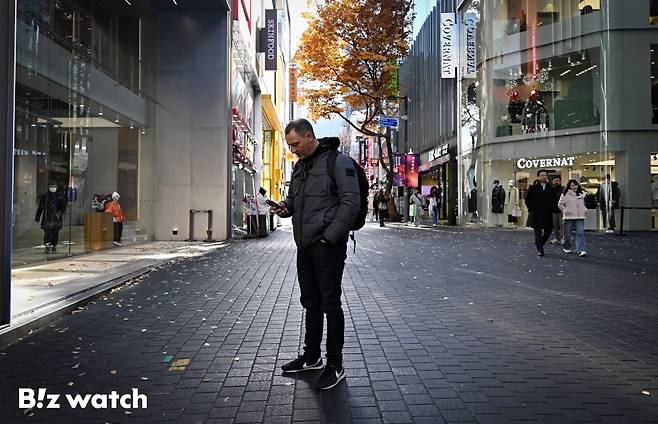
(416, 201)
(607, 196)
(572, 205)
(434, 207)
(323, 210)
(375, 206)
(382, 206)
(539, 201)
(557, 213)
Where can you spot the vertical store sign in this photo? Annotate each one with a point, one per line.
(292, 85)
(469, 47)
(413, 163)
(271, 39)
(448, 42)
(399, 165)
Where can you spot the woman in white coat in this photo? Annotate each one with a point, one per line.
(572, 205)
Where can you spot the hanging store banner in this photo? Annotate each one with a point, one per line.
(271, 41)
(448, 45)
(413, 163)
(399, 169)
(469, 47)
(292, 83)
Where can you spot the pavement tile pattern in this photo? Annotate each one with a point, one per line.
(442, 326)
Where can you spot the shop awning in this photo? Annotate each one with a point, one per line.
(270, 113)
(436, 162)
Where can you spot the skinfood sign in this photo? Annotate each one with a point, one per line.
(524, 163)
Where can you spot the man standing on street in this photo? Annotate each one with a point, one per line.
(558, 223)
(323, 210)
(540, 203)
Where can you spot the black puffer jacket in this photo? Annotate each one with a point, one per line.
(51, 209)
(319, 206)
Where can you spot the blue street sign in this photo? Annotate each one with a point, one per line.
(385, 121)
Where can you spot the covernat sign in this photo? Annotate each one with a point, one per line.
(524, 163)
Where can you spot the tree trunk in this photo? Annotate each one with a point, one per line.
(393, 214)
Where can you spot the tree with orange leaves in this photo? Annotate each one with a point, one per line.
(349, 55)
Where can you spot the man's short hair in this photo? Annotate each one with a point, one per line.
(542, 170)
(607, 176)
(301, 127)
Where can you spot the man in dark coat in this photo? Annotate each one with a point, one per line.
(540, 203)
(323, 209)
(50, 211)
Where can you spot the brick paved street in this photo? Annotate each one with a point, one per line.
(444, 325)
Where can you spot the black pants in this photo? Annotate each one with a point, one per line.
(320, 271)
(541, 237)
(375, 213)
(51, 236)
(118, 230)
(608, 221)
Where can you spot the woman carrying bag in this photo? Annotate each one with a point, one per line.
(572, 205)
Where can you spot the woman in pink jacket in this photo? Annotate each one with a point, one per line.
(572, 205)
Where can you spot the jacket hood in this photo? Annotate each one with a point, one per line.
(330, 143)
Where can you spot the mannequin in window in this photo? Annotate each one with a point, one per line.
(535, 114)
(512, 204)
(52, 206)
(114, 209)
(473, 204)
(515, 107)
(498, 203)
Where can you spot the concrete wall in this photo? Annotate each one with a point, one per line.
(192, 122)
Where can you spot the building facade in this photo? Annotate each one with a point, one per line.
(429, 104)
(564, 85)
(170, 104)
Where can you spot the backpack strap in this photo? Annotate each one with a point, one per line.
(331, 165)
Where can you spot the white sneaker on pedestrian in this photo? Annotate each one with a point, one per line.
(609, 231)
(554, 241)
(567, 250)
(582, 254)
(116, 243)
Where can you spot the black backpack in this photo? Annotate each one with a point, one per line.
(364, 187)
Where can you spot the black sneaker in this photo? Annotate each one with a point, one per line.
(301, 364)
(330, 377)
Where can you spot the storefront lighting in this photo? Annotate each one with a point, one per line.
(175, 2)
(565, 72)
(582, 56)
(128, 3)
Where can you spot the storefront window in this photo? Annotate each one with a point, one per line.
(518, 16)
(72, 149)
(556, 93)
(653, 12)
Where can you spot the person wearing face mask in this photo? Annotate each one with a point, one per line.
(114, 208)
(50, 211)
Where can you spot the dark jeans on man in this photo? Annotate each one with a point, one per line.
(51, 236)
(612, 223)
(320, 271)
(541, 237)
(118, 231)
(375, 213)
